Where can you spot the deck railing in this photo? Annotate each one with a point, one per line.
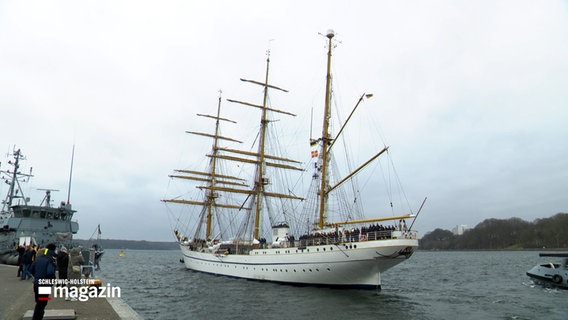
(354, 237)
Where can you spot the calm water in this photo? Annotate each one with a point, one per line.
(431, 285)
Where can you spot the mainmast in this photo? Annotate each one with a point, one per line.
(211, 193)
(326, 139)
(261, 181)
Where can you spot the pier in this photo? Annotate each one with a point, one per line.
(17, 300)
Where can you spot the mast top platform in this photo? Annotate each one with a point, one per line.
(330, 33)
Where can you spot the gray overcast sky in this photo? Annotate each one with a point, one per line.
(470, 95)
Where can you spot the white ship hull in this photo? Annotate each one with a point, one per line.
(354, 264)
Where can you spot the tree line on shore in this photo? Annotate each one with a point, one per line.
(129, 244)
(500, 234)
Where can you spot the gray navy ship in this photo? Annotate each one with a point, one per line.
(22, 223)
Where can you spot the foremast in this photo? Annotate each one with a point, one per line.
(212, 177)
(211, 194)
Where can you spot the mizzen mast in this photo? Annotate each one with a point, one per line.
(325, 138)
(327, 142)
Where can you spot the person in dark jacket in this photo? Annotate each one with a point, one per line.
(21, 250)
(62, 262)
(27, 260)
(42, 268)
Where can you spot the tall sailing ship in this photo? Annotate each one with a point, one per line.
(25, 224)
(246, 228)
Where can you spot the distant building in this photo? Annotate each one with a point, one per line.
(459, 230)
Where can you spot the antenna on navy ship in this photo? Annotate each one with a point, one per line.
(47, 197)
(70, 175)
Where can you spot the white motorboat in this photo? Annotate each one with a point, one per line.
(551, 273)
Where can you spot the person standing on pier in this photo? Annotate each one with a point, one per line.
(27, 260)
(62, 263)
(21, 250)
(74, 269)
(42, 268)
